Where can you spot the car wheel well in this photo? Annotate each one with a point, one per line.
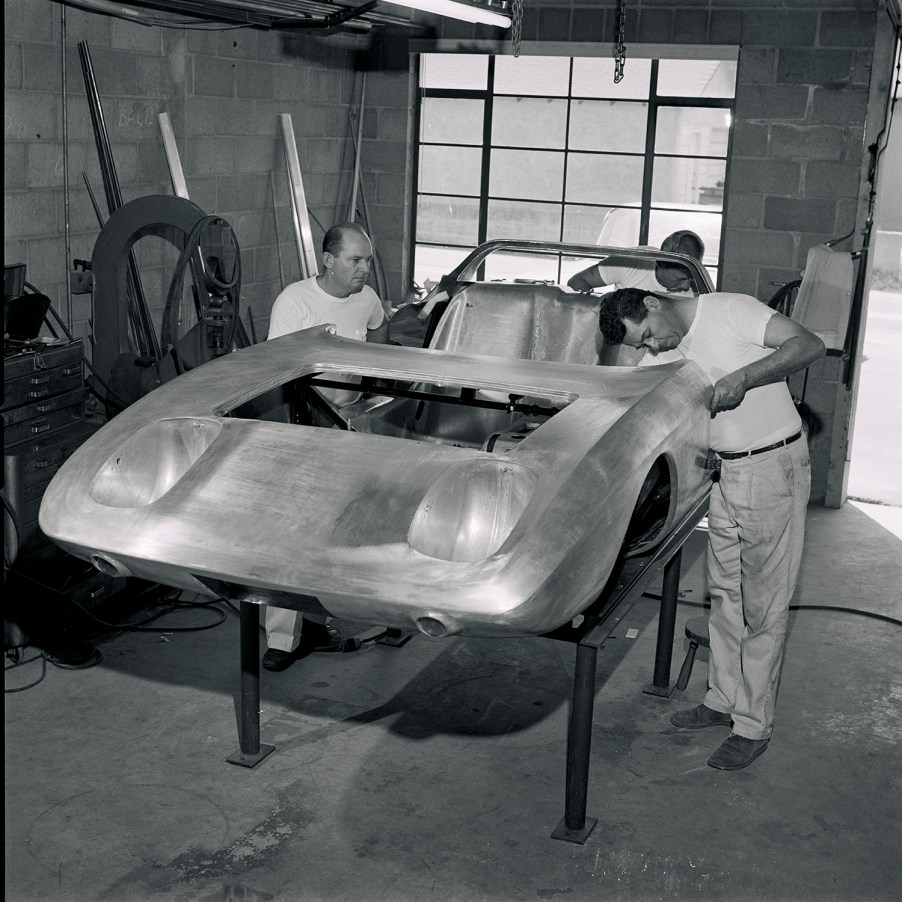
(652, 508)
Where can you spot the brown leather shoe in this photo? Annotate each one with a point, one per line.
(737, 752)
(700, 716)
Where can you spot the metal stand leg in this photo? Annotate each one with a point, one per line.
(666, 627)
(251, 753)
(575, 827)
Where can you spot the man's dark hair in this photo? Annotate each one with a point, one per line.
(334, 238)
(625, 303)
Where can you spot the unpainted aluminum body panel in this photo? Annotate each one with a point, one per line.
(171, 491)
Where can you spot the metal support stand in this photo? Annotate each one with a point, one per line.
(660, 684)
(251, 752)
(602, 619)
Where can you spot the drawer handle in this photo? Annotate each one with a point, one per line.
(45, 408)
(39, 380)
(41, 464)
(38, 426)
(71, 370)
(39, 393)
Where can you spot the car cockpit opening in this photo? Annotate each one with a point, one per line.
(469, 416)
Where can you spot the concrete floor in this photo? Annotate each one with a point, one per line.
(436, 771)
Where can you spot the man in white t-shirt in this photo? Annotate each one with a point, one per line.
(756, 518)
(623, 272)
(338, 295)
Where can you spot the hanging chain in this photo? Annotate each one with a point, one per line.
(620, 49)
(517, 12)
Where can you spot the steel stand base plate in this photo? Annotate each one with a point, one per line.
(566, 834)
(245, 760)
(661, 691)
(394, 637)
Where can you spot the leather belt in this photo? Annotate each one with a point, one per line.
(735, 455)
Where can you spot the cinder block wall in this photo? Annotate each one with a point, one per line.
(223, 91)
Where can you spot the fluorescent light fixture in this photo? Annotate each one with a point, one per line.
(484, 12)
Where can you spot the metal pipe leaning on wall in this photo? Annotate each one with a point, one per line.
(148, 344)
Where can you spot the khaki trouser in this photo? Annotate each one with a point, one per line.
(756, 529)
(283, 627)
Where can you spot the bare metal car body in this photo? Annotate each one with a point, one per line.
(485, 485)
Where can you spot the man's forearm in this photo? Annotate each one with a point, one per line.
(792, 356)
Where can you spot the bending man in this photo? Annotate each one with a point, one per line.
(756, 519)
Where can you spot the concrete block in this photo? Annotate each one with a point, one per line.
(846, 106)
(45, 164)
(253, 154)
(29, 117)
(588, 23)
(815, 66)
(13, 66)
(799, 142)
(134, 37)
(211, 156)
(690, 26)
(739, 278)
(831, 179)
(116, 72)
(387, 156)
(27, 22)
(214, 77)
(745, 211)
(791, 214)
(128, 119)
(125, 159)
(254, 79)
(237, 116)
(756, 176)
(150, 163)
(242, 43)
(750, 138)
(861, 68)
(323, 155)
(554, 24)
(392, 124)
(390, 188)
(760, 246)
(253, 192)
(289, 82)
(386, 90)
(772, 102)
(202, 117)
(779, 28)
(324, 87)
(725, 27)
(848, 28)
(757, 66)
(46, 263)
(655, 26)
(150, 75)
(14, 166)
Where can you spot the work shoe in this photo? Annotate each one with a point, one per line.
(276, 659)
(700, 716)
(737, 752)
(319, 637)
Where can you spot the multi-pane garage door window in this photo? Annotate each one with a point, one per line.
(548, 148)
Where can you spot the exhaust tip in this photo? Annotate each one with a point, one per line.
(432, 627)
(108, 566)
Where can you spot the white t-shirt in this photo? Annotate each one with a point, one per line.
(304, 304)
(726, 334)
(641, 275)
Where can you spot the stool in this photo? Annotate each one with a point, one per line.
(697, 634)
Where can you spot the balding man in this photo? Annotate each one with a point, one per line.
(338, 295)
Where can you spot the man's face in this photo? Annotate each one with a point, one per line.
(350, 267)
(673, 278)
(662, 330)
